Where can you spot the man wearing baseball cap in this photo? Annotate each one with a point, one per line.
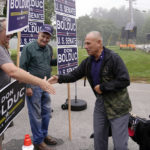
(36, 58)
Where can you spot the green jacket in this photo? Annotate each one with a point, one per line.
(113, 78)
(37, 60)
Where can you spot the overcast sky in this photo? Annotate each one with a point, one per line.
(84, 7)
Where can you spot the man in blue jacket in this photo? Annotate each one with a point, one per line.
(108, 78)
(36, 58)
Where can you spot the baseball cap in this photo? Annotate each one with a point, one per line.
(47, 28)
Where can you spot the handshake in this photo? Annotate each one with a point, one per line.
(54, 79)
(46, 85)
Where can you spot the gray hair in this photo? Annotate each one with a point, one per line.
(97, 35)
(1, 23)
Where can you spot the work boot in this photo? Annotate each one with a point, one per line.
(50, 140)
(41, 146)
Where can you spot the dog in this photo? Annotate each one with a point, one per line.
(139, 131)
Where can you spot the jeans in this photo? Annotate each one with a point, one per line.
(39, 113)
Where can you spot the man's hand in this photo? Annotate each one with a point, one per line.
(53, 79)
(97, 89)
(46, 86)
(29, 92)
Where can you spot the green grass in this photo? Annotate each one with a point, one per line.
(14, 56)
(137, 62)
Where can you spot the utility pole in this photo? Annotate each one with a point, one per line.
(131, 12)
(130, 25)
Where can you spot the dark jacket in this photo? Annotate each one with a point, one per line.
(113, 78)
(37, 60)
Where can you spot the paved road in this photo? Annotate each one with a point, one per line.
(81, 122)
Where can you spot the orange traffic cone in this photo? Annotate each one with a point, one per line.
(27, 143)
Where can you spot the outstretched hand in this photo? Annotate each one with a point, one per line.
(46, 86)
(53, 79)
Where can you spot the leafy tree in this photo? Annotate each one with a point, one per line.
(99, 13)
(49, 11)
(4, 10)
(146, 28)
(85, 24)
(119, 18)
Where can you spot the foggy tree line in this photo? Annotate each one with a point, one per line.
(110, 23)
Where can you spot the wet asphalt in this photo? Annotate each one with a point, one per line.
(81, 121)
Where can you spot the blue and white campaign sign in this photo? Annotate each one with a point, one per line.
(65, 6)
(12, 100)
(30, 33)
(66, 30)
(67, 53)
(67, 59)
(36, 10)
(17, 14)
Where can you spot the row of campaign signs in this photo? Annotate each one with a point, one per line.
(27, 16)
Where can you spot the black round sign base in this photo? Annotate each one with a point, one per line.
(76, 105)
